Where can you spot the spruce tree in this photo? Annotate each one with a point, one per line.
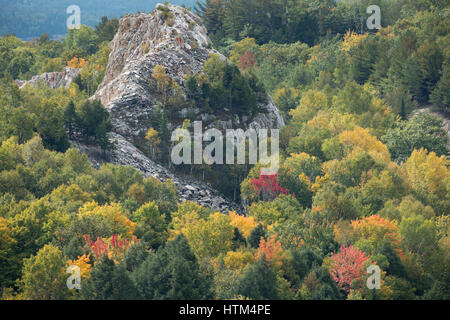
(259, 282)
(109, 281)
(70, 117)
(255, 236)
(172, 273)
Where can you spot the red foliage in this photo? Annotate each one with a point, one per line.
(114, 247)
(247, 60)
(347, 266)
(267, 186)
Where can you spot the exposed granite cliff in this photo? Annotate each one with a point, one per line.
(182, 46)
(54, 80)
(127, 154)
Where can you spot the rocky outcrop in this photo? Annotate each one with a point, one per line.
(53, 80)
(127, 154)
(180, 44)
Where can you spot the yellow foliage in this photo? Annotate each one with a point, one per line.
(83, 263)
(427, 172)
(377, 229)
(113, 213)
(76, 63)
(180, 223)
(244, 224)
(352, 39)
(283, 92)
(211, 237)
(333, 121)
(264, 214)
(311, 102)
(7, 242)
(152, 137)
(361, 140)
(159, 73)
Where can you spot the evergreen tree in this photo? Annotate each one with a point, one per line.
(259, 282)
(303, 260)
(136, 255)
(422, 131)
(94, 122)
(396, 267)
(212, 13)
(109, 281)
(172, 273)
(238, 239)
(70, 117)
(106, 29)
(50, 126)
(441, 94)
(255, 236)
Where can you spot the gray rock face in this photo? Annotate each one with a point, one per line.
(182, 47)
(189, 189)
(54, 80)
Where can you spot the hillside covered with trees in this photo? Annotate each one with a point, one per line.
(37, 17)
(364, 175)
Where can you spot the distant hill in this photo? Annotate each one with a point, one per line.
(31, 18)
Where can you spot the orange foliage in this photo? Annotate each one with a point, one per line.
(76, 63)
(377, 229)
(83, 263)
(272, 251)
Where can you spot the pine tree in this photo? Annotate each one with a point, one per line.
(70, 117)
(172, 273)
(259, 282)
(441, 94)
(109, 281)
(212, 13)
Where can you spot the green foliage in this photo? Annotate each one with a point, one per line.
(422, 131)
(319, 285)
(44, 276)
(259, 282)
(91, 120)
(359, 169)
(106, 29)
(256, 235)
(225, 88)
(440, 96)
(172, 273)
(152, 226)
(109, 281)
(80, 42)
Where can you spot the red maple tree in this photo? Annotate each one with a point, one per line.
(268, 187)
(114, 247)
(347, 266)
(247, 60)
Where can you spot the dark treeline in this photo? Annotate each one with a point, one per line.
(43, 16)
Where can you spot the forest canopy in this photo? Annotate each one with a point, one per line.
(364, 173)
